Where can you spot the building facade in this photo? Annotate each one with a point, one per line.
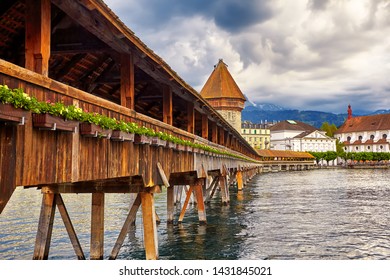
(365, 133)
(257, 135)
(297, 136)
(222, 92)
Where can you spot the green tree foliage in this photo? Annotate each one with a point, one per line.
(330, 129)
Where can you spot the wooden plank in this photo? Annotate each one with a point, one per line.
(127, 81)
(69, 228)
(129, 220)
(97, 226)
(224, 191)
(38, 31)
(45, 227)
(150, 227)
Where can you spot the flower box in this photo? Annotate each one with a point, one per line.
(142, 139)
(50, 122)
(158, 142)
(11, 115)
(170, 145)
(118, 135)
(93, 130)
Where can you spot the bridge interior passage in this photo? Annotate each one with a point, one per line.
(79, 53)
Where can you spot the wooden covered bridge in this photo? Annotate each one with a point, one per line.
(78, 54)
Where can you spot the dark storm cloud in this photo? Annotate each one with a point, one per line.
(230, 15)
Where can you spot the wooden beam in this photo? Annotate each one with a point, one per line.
(38, 31)
(221, 137)
(190, 118)
(129, 220)
(97, 226)
(45, 227)
(69, 228)
(183, 210)
(127, 80)
(167, 105)
(150, 228)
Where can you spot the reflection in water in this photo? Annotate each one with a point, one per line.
(319, 214)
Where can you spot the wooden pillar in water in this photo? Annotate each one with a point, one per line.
(97, 226)
(150, 227)
(198, 189)
(240, 182)
(45, 227)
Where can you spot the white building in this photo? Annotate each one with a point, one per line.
(298, 136)
(365, 133)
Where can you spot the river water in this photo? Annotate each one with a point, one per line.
(319, 214)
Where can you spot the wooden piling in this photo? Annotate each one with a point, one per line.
(97, 226)
(150, 228)
(45, 227)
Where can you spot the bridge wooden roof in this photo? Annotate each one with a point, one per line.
(221, 84)
(87, 42)
(284, 154)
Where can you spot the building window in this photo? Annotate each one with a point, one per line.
(368, 147)
(372, 137)
(360, 138)
(349, 138)
(357, 148)
(384, 136)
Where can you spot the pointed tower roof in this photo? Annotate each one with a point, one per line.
(221, 84)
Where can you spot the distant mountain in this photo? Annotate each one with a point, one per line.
(266, 112)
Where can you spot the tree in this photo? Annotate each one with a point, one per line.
(330, 129)
(329, 156)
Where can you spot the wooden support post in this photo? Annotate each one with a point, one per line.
(198, 189)
(167, 105)
(221, 136)
(37, 39)
(69, 227)
(224, 191)
(183, 210)
(205, 126)
(129, 220)
(170, 204)
(190, 118)
(97, 226)
(45, 227)
(127, 80)
(240, 183)
(214, 132)
(150, 228)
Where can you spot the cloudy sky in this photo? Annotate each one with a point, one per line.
(301, 54)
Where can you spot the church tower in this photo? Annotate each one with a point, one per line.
(224, 95)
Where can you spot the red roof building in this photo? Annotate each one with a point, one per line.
(365, 133)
